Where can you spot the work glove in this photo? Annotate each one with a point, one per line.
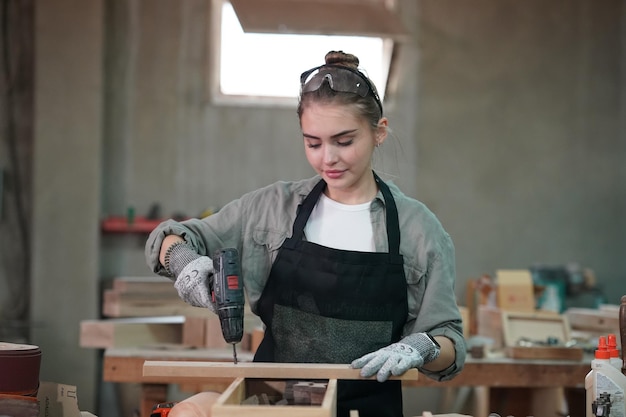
(194, 282)
(411, 352)
(194, 275)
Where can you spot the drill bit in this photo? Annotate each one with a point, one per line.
(234, 354)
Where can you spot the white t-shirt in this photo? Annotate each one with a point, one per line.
(341, 226)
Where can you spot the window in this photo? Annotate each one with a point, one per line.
(263, 63)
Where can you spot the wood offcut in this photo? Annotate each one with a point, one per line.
(187, 371)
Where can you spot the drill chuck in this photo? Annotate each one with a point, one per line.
(231, 320)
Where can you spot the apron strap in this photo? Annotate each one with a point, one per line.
(304, 211)
(308, 204)
(393, 224)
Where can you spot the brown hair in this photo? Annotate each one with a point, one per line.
(366, 107)
(342, 58)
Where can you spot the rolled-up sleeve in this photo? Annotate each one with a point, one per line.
(438, 312)
(217, 231)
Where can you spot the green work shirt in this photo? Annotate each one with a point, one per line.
(258, 223)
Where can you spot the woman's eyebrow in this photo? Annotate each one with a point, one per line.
(343, 133)
(335, 136)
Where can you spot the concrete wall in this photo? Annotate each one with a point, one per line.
(66, 189)
(520, 148)
(509, 124)
(16, 150)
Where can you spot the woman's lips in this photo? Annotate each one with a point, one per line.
(334, 174)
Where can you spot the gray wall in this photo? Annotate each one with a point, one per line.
(521, 148)
(66, 188)
(509, 124)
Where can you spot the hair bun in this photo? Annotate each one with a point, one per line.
(342, 58)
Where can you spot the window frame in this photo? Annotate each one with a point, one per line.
(390, 52)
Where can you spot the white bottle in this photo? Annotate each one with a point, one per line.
(616, 361)
(604, 382)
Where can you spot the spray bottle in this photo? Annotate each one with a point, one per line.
(604, 385)
(614, 356)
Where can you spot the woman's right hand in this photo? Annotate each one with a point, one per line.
(193, 283)
(193, 272)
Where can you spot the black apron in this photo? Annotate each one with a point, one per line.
(326, 305)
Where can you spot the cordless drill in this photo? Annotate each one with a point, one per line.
(227, 294)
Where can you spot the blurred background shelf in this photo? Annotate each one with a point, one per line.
(121, 224)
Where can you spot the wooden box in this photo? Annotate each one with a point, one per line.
(537, 328)
(244, 374)
(229, 404)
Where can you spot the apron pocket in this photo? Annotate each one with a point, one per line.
(309, 338)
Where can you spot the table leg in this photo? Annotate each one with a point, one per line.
(481, 401)
(152, 394)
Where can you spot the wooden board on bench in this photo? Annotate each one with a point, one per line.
(200, 370)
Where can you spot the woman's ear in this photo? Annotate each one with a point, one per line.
(381, 131)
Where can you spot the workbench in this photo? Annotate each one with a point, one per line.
(493, 376)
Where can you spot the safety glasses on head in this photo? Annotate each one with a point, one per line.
(341, 79)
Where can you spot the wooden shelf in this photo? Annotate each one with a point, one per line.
(121, 224)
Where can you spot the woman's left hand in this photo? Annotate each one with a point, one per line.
(412, 352)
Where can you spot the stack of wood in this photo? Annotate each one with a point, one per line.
(589, 323)
(147, 312)
(145, 297)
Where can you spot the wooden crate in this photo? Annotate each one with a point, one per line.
(229, 403)
(537, 327)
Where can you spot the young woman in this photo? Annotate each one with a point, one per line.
(341, 267)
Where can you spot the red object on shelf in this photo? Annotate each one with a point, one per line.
(20, 369)
(122, 224)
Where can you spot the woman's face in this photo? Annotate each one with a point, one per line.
(339, 146)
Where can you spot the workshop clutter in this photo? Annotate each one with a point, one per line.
(19, 379)
(605, 384)
(263, 388)
(247, 394)
(511, 315)
(22, 394)
(147, 312)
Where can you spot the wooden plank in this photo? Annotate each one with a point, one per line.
(235, 393)
(489, 325)
(141, 284)
(545, 352)
(151, 394)
(194, 331)
(131, 332)
(206, 370)
(150, 307)
(206, 331)
(328, 17)
(593, 320)
(126, 365)
(146, 296)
